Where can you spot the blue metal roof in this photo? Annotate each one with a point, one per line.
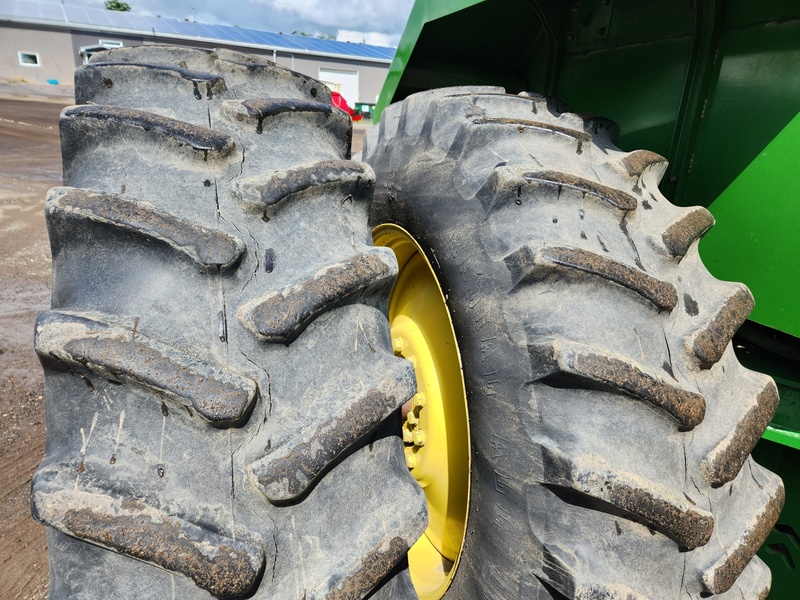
(68, 15)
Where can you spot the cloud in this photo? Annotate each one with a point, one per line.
(368, 19)
(355, 15)
(372, 38)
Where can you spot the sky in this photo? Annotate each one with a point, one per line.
(377, 22)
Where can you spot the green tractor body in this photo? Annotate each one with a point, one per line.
(712, 85)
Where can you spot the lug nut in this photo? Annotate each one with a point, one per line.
(412, 420)
(411, 460)
(418, 401)
(408, 438)
(397, 345)
(419, 438)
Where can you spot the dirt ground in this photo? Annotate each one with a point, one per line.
(30, 164)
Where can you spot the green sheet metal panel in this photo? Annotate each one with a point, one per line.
(613, 51)
(618, 83)
(756, 92)
(422, 13)
(755, 239)
(521, 53)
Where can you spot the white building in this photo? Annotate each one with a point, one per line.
(44, 42)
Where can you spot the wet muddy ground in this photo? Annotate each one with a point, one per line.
(30, 164)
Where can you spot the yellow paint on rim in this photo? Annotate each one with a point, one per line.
(436, 430)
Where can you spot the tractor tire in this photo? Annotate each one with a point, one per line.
(610, 422)
(222, 395)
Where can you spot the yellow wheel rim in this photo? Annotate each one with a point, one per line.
(436, 428)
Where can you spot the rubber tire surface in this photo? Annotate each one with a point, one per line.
(221, 388)
(611, 423)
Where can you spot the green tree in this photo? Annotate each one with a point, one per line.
(117, 5)
(322, 36)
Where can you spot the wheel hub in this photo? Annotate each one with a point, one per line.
(435, 428)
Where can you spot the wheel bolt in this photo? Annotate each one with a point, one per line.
(411, 460)
(408, 438)
(419, 438)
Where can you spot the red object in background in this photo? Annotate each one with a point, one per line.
(339, 102)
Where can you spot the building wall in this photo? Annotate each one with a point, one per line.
(58, 56)
(370, 75)
(53, 46)
(92, 38)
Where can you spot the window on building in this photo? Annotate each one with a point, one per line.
(110, 43)
(86, 52)
(29, 59)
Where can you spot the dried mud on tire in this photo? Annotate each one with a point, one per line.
(220, 381)
(610, 421)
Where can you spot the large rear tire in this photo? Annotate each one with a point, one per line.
(610, 422)
(221, 390)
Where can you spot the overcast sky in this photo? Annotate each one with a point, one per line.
(378, 22)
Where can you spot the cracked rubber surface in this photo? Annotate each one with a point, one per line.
(221, 389)
(611, 422)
